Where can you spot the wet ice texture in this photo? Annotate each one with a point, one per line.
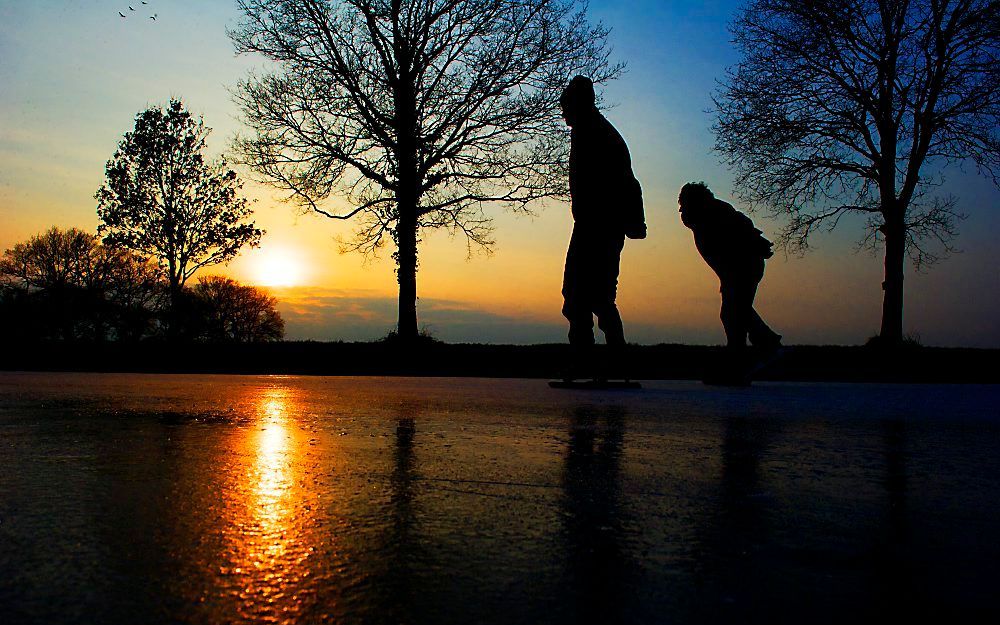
(237, 499)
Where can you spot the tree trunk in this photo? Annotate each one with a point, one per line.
(407, 200)
(407, 203)
(406, 273)
(408, 190)
(174, 312)
(892, 287)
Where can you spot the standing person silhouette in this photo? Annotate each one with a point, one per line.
(607, 207)
(736, 251)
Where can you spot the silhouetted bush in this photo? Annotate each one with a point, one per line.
(424, 337)
(910, 341)
(65, 285)
(228, 311)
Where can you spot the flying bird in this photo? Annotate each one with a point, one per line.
(120, 13)
(131, 9)
(153, 17)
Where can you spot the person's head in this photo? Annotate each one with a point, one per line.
(693, 198)
(577, 99)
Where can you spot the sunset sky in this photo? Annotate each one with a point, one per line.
(73, 74)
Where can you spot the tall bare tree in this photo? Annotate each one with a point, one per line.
(854, 106)
(416, 112)
(163, 199)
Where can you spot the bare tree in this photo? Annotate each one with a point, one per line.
(161, 198)
(855, 106)
(65, 284)
(54, 259)
(417, 112)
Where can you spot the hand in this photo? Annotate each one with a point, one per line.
(636, 231)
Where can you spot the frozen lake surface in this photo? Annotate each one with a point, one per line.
(249, 499)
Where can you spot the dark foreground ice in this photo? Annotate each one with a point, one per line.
(237, 499)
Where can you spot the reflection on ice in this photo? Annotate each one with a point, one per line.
(270, 478)
(368, 500)
(270, 473)
(266, 515)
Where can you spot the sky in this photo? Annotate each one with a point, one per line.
(73, 75)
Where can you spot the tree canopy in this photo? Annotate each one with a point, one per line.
(415, 113)
(163, 199)
(845, 107)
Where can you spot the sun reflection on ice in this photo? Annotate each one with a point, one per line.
(269, 542)
(272, 483)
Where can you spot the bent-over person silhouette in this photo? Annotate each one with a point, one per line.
(736, 251)
(607, 208)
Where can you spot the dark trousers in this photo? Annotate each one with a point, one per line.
(738, 315)
(590, 285)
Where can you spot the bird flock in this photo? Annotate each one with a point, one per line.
(124, 16)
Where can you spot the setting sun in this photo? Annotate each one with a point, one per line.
(277, 268)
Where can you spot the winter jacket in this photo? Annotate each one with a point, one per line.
(726, 238)
(605, 193)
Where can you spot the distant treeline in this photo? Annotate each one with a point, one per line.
(432, 358)
(66, 285)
